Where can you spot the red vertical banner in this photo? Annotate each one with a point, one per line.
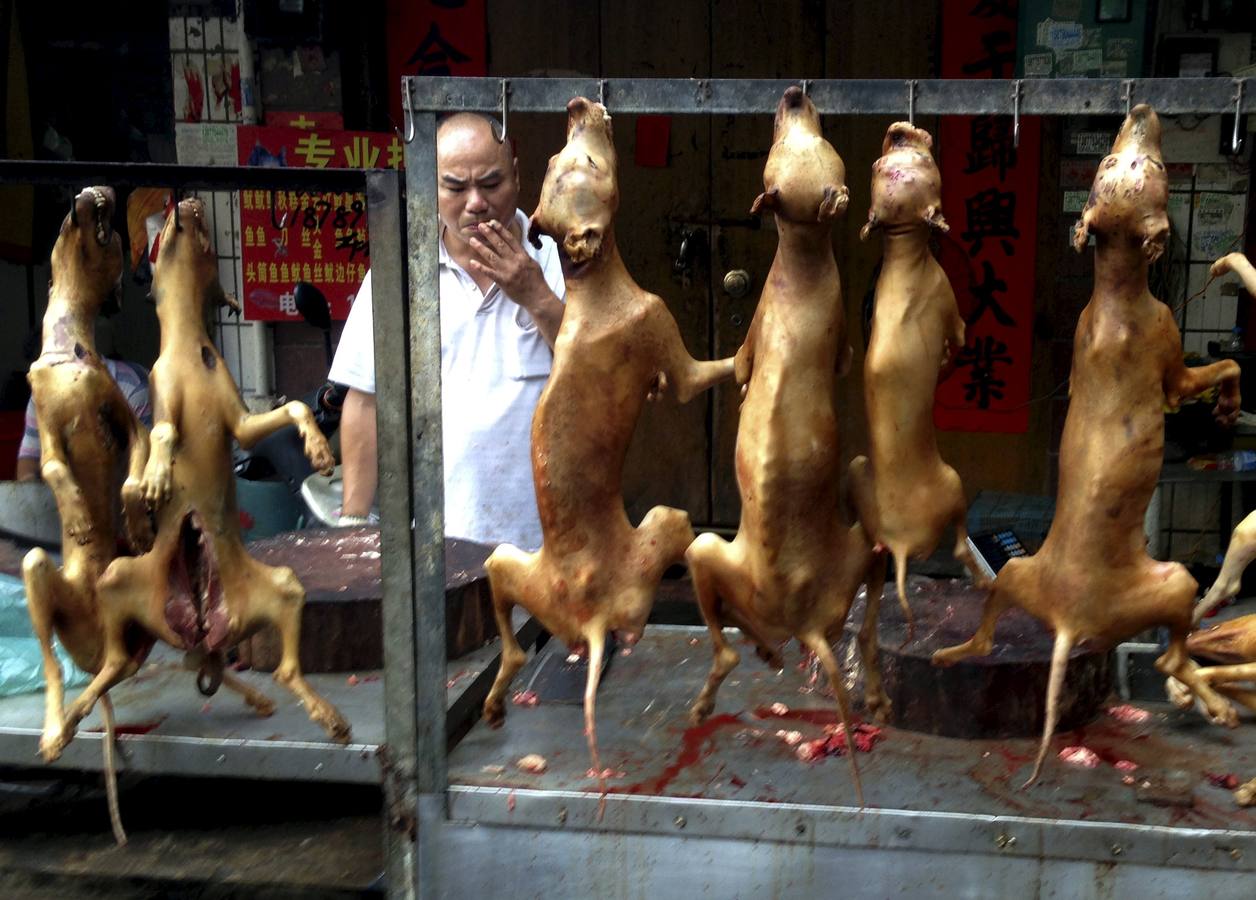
(434, 37)
(990, 199)
(291, 236)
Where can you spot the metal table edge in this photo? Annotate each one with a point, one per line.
(850, 827)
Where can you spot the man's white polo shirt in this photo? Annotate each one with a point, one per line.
(494, 363)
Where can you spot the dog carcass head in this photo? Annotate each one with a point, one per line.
(580, 193)
(88, 250)
(906, 186)
(804, 180)
(1230, 642)
(186, 261)
(1130, 195)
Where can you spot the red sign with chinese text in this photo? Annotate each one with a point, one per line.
(288, 236)
(990, 200)
(434, 37)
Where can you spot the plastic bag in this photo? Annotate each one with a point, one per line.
(21, 662)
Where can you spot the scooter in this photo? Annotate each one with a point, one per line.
(281, 456)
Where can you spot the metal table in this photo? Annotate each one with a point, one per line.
(729, 805)
(166, 728)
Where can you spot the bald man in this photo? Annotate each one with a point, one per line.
(500, 309)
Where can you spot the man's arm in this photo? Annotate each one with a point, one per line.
(359, 461)
(1240, 266)
(502, 258)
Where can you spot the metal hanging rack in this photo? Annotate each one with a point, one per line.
(444, 835)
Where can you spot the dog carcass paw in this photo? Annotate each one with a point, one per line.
(334, 724)
(156, 484)
(139, 528)
(78, 525)
(1178, 693)
(53, 742)
(317, 450)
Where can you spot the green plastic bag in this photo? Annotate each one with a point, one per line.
(21, 663)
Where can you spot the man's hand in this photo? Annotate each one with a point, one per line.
(503, 259)
(1228, 263)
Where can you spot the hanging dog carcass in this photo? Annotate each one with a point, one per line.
(618, 345)
(794, 567)
(87, 431)
(1093, 580)
(905, 493)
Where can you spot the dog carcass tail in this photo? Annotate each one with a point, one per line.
(597, 647)
(111, 772)
(1055, 685)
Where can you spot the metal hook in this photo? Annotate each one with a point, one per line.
(1127, 92)
(1016, 98)
(1238, 111)
(407, 114)
(912, 84)
(505, 94)
(601, 92)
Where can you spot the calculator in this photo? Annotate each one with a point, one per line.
(994, 548)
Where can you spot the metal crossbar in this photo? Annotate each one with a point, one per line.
(847, 96)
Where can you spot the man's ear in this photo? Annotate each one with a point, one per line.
(767, 200)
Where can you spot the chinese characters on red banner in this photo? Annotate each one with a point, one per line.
(289, 236)
(990, 197)
(434, 37)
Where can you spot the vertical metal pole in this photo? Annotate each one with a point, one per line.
(426, 465)
(388, 299)
(412, 492)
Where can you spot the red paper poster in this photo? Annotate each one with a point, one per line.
(434, 37)
(990, 200)
(289, 236)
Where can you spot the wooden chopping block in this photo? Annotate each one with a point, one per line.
(342, 623)
(997, 696)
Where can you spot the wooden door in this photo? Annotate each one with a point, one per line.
(683, 455)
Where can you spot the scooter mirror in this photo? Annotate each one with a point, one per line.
(312, 305)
